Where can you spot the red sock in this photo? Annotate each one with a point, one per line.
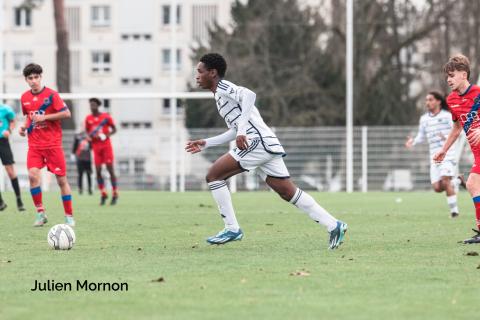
(101, 187)
(67, 204)
(476, 202)
(37, 198)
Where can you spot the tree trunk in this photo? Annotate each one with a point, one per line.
(63, 56)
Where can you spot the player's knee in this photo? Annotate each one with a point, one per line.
(209, 178)
(470, 185)
(34, 178)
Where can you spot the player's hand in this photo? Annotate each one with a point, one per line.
(22, 131)
(6, 134)
(439, 156)
(409, 142)
(242, 142)
(38, 117)
(102, 136)
(195, 146)
(474, 137)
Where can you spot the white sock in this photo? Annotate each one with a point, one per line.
(222, 197)
(306, 203)
(452, 203)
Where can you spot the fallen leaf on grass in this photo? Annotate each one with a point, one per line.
(300, 273)
(269, 224)
(161, 279)
(139, 249)
(472, 253)
(478, 266)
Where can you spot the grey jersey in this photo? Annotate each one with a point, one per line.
(229, 101)
(435, 129)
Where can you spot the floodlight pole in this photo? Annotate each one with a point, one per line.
(173, 100)
(349, 98)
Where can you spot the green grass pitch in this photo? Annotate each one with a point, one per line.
(401, 259)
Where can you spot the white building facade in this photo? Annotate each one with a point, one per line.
(118, 46)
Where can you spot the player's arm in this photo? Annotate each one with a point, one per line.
(198, 145)
(112, 131)
(22, 130)
(419, 138)
(247, 102)
(64, 114)
(452, 137)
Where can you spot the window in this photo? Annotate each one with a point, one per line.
(21, 59)
(124, 166)
(139, 166)
(166, 106)
(100, 16)
(106, 104)
(166, 58)
(72, 18)
(166, 19)
(101, 62)
(23, 17)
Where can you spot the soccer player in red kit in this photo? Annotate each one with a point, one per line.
(99, 127)
(44, 109)
(464, 104)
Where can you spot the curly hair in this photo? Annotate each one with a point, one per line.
(95, 100)
(32, 68)
(215, 61)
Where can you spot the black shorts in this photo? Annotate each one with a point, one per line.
(84, 166)
(6, 152)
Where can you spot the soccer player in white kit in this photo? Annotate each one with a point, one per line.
(258, 149)
(435, 126)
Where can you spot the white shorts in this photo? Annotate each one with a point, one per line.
(263, 163)
(447, 168)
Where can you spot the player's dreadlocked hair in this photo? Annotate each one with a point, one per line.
(457, 63)
(215, 61)
(440, 97)
(32, 68)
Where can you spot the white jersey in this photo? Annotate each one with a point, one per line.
(228, 97)
(435, 129)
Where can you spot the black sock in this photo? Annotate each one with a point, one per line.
(16, 187)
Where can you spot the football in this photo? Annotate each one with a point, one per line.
(61, 237)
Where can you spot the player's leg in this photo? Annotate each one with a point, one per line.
(438, 186)
(12, 175)
(113, 179)
(9, 163)
(55, 161)
(276, 175)
(66, 193)
(34, 177)
(35, 162)
(225, 167)
(435, 178)
(88, 166)
(80, 176)
(473, 187)
(451, 195)
(98, 161)
(4, 158)
(446, 171)
(288, 191)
